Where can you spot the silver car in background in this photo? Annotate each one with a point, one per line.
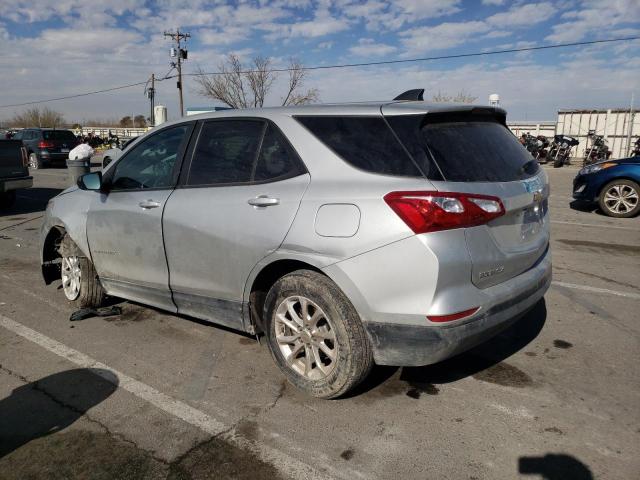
(397, 233)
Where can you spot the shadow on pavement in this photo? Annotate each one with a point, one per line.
(555, 466)
(51, 404)
(484, 362)
(30, 200)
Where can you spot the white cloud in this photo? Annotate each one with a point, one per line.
(594, 16)
(79, 12)
(445, 35)
(322, 24)
(493, 2)
(523, 15)
(224, 36)
(392, 15)
(367, 47)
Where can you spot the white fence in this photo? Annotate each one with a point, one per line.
(548, 129)
(118, 131)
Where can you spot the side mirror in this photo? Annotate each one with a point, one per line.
(91, 181)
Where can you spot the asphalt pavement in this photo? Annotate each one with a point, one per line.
(148, 395)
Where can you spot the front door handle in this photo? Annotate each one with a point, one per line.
(148, 204)
(263, 201)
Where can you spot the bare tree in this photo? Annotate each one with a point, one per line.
(243, 88)
(35, 117)
(461, 97)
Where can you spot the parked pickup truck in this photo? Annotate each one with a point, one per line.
(14, 173)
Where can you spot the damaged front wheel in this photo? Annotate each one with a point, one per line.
(80, 282)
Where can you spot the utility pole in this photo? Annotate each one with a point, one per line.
(630, 129)
(181, 53)
(151, 95)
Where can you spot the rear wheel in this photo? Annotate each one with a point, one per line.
(34, 162)
(80, 282)
(315, 335)
(620, 198)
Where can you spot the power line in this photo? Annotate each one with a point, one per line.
(426, 59)
(75, 96)
(346, 65)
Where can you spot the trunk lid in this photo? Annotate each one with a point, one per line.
(467, 149)
(513, 243)
(61, 141)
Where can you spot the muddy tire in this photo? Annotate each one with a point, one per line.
(80, 282)
(620, 198)
(315, 335)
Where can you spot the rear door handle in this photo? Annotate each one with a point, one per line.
(148, 204)
(263, 201)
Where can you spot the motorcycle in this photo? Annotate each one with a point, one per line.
(537, 146)
(635, 152)
(598, 151)
(560, 149)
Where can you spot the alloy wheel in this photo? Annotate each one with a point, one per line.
(306, 338)
(621, 198)
(71, 275)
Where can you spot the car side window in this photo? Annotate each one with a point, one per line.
(18, 135)
(226, 152)
(151, 163)
(277, 159)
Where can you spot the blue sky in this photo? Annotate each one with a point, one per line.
(60, 47)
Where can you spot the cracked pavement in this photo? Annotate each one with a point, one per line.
(558, 394)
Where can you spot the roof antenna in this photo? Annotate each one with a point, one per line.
(415, 95)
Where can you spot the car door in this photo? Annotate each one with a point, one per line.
(124, 224)
(234, 206)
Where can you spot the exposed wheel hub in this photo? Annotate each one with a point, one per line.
(306, 337)
(71, 275)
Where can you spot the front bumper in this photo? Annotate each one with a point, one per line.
(414, 345)
(585, 188)
(8, 184)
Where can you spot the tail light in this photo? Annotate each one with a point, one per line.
(434, 211)
(25, 157)
(45, 144)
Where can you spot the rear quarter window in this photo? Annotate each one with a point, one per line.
(366, 143)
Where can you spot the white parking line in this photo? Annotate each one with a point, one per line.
(587, 288)
(172, 406)
(596, 225)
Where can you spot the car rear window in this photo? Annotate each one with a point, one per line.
(58, 135)
(10, 150)
(366, 143)
(465, 148)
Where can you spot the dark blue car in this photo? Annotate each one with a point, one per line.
(613, 184)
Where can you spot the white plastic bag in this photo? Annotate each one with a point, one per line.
(81, 151)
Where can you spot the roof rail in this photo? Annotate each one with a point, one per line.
(415, 94)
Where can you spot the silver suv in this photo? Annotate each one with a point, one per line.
(396, 233)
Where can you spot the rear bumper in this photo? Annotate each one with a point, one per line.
(8, 184)
(413, 345)
(47, 156)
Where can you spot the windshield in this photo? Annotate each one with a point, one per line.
(58, 135)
